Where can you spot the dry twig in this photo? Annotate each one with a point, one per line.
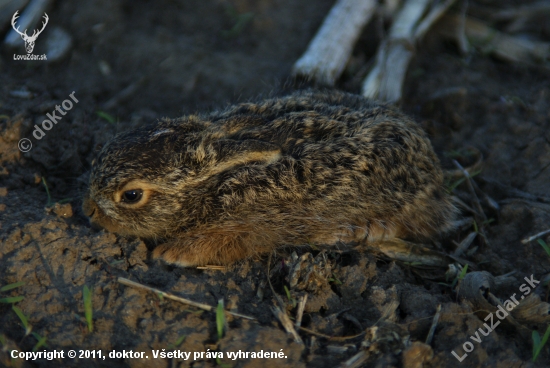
(464, 244)
(469, 180)
(357, 360)
(521, 17)
(300, 313)
(536, 236)
(205, 307)
(385, 80)
(287, 324)
(434, 325)
(330, 50)
(401, 250)
(509, 48)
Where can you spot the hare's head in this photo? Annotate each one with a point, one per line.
(160, 179)
(135, 185)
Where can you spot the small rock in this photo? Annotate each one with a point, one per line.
(104, 67)
(22, 93)
(63, 210)
(58, 44)
(3, 191)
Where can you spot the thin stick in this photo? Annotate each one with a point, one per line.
(282, 317)
(356, 361)
(315, 333)
(531, 238)
(434, 325)
(385, 81)
(205, 307)
(434, 14)
(330, 50)
(344, 338)
(471, 189)
(287, 324)
(464, 244)
(125, 94)
(277, 297)
(510, 48)
(491, 297)
(299, 314)
(212, 268)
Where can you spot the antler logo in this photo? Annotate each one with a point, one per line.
(29, 40)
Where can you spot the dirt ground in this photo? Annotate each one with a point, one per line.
(180, 57)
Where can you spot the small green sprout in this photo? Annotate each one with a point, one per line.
(335, 280)
(88, 311)
(240, 22)
(289, 296)
(454, 185)
(220, 319)
(544, 246)
(106, 116)
(178, 342)
(23, 318)
(538, 344)
(49, 204)
(460, 276)
(41, 341)
(11, 299)
(222, 365)
(12, 286)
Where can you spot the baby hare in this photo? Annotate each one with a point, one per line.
(310, 168)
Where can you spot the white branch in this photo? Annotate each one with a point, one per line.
(385, 81)
(330, 50)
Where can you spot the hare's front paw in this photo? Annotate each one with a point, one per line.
(215, 245)
(176, 254)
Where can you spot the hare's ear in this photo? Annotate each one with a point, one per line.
(231, 153)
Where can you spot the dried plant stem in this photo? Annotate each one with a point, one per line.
(522, 16)
(434, 325)
(356, 361)
(385, 80)
(433, 16)
(464, 244)
(401, 250)
(506, 47)
(205, 307)
(124, 94)
(477, 204)
(330, 50)
(536, 236)
(300, 313)
(287, 324)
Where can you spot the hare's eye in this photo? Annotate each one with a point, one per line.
(132, 196)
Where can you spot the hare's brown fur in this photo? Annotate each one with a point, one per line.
(310, 168)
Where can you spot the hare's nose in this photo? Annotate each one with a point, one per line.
(89, 207)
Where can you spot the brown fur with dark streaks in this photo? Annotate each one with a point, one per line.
(309, 168)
